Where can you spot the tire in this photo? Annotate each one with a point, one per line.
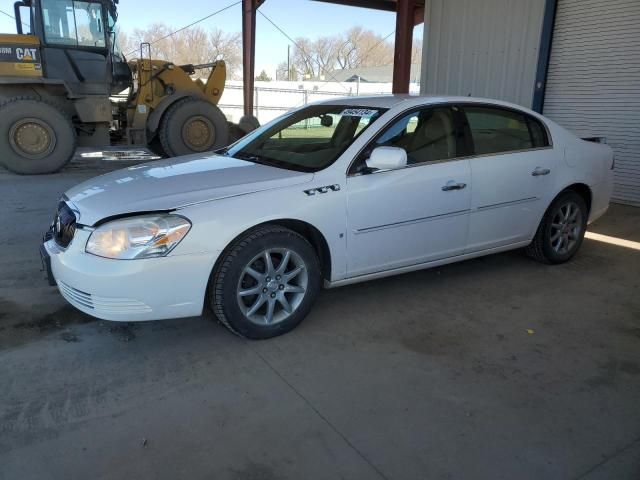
(156, 147)
(557, 240)
(230, 278)
(248, 123)
(192, 125)
(35, 137)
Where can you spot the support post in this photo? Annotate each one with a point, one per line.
(249, 8)
(544, 54)
(403, 45)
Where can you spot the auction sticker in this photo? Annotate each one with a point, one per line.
(358, 112)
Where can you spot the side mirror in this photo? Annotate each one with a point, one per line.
(387, 158)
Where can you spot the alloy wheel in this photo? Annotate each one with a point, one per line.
(272, 286)
(566, 226)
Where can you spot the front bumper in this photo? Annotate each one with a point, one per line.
(129, 290)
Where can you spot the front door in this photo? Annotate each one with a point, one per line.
(414, 214)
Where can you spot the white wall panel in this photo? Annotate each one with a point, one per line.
(483, 48)
(593, 83)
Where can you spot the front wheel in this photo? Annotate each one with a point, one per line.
(561, 230)
(266, 283)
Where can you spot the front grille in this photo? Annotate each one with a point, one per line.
(64, 225)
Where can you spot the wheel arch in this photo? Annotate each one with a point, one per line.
(311, 233)
(581, 189)
(315, 238)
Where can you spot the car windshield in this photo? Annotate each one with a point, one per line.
(307, 140)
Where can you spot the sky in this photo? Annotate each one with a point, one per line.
(295, 17)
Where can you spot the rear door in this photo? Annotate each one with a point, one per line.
(512, 169)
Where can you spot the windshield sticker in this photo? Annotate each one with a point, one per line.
(358, 112)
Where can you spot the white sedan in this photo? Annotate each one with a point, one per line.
(333, 193)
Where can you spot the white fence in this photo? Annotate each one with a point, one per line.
(272, 99)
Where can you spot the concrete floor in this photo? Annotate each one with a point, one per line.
(495, 368)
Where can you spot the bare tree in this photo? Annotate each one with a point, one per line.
(193, 45)
(364, 48)
(304, 58)
(227, 46)
(282, 73)
(355, 48)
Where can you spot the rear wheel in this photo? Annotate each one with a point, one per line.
(561, 230)
(35, 137)
(265, 283)
(192, 125)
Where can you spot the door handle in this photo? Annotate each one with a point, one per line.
(540, 171)
(453, 186)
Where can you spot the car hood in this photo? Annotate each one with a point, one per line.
(173, 183)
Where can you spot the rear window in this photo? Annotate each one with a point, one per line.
(496, 130)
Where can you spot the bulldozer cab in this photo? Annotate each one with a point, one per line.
(78, 43)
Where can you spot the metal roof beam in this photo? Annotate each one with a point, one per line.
(388, 5)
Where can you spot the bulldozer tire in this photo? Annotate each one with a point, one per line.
(192, 125)
(156, 147)
(248, 123)
(35, 137)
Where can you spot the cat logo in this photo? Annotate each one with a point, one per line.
(26, 54)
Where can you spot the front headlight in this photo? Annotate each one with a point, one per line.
(138, 237)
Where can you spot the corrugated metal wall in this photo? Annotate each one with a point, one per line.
(483, 48)
(593, 84)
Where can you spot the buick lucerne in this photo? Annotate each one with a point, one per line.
(327, 195)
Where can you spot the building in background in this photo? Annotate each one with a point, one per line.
(576, 61)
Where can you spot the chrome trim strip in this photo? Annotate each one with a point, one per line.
(508, 152)
(410, 222)
(455, 159)
(510, 202)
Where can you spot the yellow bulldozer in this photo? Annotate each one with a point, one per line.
(59, 75)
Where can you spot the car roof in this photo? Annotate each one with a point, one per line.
(381, 101)
(408, 101)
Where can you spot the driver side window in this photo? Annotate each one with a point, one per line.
(427, 135)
